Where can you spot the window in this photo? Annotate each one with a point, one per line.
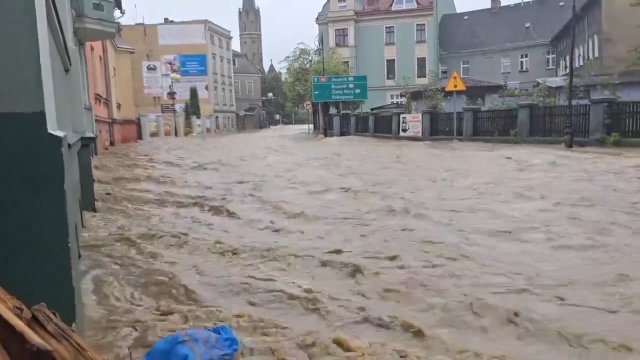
(524, 62)
(581, 55)
(596, 45)
(396, 98)
(231, 97)
(224, 96)
(228, 45)
(222, 65)
(342, 37)
(389, 35)
(444, 72)
(347, 65)
(212, 39)
(216, 95)
(404, 4)
(220, 44)
(391, 69)
(214, 62)
(465, 68)
(342, 4)
(591, 49)
(505, 64)
(551, 59)
(561, 68)
(236, 87)
(235, 63)
(421, 70)
(230, 68)
(249, 87)
(421, 33)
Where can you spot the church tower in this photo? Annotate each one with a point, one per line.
(251, 32)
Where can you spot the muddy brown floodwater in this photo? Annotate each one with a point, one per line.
(354, 248)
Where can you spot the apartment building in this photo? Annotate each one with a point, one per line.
(199, 53)
(393, 42)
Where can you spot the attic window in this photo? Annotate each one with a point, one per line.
(404, 4)
(342, 4)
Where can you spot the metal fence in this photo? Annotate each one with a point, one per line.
(625, 119)
(382, 124)
(362, 124)
(329, 122)
(345, 124)
(442, 124)
(549, 121)
(495, 123)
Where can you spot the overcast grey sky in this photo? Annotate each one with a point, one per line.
(284, 23)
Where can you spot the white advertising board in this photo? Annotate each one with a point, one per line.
(411, 125)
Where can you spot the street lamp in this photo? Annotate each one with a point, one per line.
(269, 101)
(568, 126)
(173, 95)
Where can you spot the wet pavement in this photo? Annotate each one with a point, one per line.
(356, 248)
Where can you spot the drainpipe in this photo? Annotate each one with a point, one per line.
(107, 76)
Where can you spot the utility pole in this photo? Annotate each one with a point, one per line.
(568, 126)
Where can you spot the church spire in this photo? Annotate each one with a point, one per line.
(248, 5)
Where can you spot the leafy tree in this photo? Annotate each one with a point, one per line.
(194, 102)
(636, 50)
(303, 63)
(433, 93)
(272, 83)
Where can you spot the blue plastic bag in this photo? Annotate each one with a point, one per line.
(218, 343)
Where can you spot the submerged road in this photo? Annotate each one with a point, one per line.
(353, 248)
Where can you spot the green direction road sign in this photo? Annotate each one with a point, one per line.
(339, 88)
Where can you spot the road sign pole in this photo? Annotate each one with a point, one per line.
(309, 122)
(455, 115)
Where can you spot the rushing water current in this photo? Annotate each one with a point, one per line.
(357, 248)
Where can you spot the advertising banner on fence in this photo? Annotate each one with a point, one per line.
(411, 125)
(192, 69)
(152, 78)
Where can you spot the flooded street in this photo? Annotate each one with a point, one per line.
(354, 248)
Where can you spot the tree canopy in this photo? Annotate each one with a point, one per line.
(303, 63)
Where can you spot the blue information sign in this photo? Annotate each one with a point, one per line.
(193, 65)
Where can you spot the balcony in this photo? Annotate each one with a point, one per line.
(95, 19)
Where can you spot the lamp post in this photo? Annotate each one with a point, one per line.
(173, 95)
(568, 126)
(269, 101)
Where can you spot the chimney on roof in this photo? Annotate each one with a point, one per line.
(166, 20)
(495, 5)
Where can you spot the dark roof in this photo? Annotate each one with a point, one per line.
(244, 66)
(580, 6)
(518, 24)
(471, 82)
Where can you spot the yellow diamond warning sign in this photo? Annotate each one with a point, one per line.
(455, 84)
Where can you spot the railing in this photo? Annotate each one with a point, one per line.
(549, 121)
(442, 124)
(382, 124)
(625, 119)
(495, 123)
(362, 124)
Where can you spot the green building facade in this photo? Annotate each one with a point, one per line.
(393, 42)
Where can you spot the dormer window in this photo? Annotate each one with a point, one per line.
(404, 4)
(342, 4)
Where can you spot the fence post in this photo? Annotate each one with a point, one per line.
(598, 116)
(352, 128)
(426, 124)
(395, 125)
(525, 113)
(467, 120)
(336, 125)
(372, 122)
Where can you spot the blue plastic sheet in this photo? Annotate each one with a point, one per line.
(218, 343)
